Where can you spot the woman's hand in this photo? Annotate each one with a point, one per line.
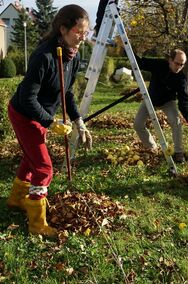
(60, 128)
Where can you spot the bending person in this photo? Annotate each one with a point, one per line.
(167, 83)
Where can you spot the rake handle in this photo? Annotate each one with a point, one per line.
(63, 104)
(126, 96)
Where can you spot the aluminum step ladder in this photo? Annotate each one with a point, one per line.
(111, 20)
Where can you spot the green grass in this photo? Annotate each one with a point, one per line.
(149, 243)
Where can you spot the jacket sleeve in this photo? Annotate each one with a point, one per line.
(147, 64)
(182, 95)
(30, 87)
(71, 106)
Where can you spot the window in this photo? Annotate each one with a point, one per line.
(6, 21)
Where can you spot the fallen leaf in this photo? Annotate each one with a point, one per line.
(182, 226)
(60, 266)
(87, 232)
(69, 270)
(104, 222)
(13, 227)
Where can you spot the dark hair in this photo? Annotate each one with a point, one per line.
(67, 17)
(174, 52)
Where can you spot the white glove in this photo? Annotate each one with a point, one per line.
(84, 134)
(59, 127)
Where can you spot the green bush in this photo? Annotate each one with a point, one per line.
(18, 57)
(107, 70)
(85, 50)
(79, 86)
(7, 68)
(122, 62)
(7, 89)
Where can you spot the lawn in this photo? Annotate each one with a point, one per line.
(125, 221)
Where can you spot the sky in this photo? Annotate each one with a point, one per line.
(89, 5)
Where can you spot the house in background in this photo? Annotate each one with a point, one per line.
(8, 16)
(3, 39)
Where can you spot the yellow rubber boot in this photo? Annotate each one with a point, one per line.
(18, 192)
(36, 212)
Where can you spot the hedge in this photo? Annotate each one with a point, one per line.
(7, 68)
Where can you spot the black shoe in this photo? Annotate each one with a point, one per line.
(179, 157)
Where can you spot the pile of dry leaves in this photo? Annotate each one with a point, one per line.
(85, 213)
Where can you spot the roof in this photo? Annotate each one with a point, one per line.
(15, 6)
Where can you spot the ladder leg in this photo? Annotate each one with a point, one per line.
(93, 71)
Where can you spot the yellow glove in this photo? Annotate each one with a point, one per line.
(60, 128)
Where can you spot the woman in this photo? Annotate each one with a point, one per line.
(32, 109)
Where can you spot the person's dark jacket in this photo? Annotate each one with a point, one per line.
(165, 85)
(38, 95)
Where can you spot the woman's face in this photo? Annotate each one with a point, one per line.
(76, 34)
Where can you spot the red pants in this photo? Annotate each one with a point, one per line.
(36, 165)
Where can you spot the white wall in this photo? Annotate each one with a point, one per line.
(3, 41)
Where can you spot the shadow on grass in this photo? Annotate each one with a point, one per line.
(117, 184)
(8, 217)
(170, 187)
(11, 219)
(111, 184)
(8, 167)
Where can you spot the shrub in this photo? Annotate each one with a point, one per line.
(85, 50)
(7, 68)
(18, 57)
(107, 70)
(7, 89)
(122, 62)
(79, 86)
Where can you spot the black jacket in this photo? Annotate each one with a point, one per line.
(165, 85)
(38, 95)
